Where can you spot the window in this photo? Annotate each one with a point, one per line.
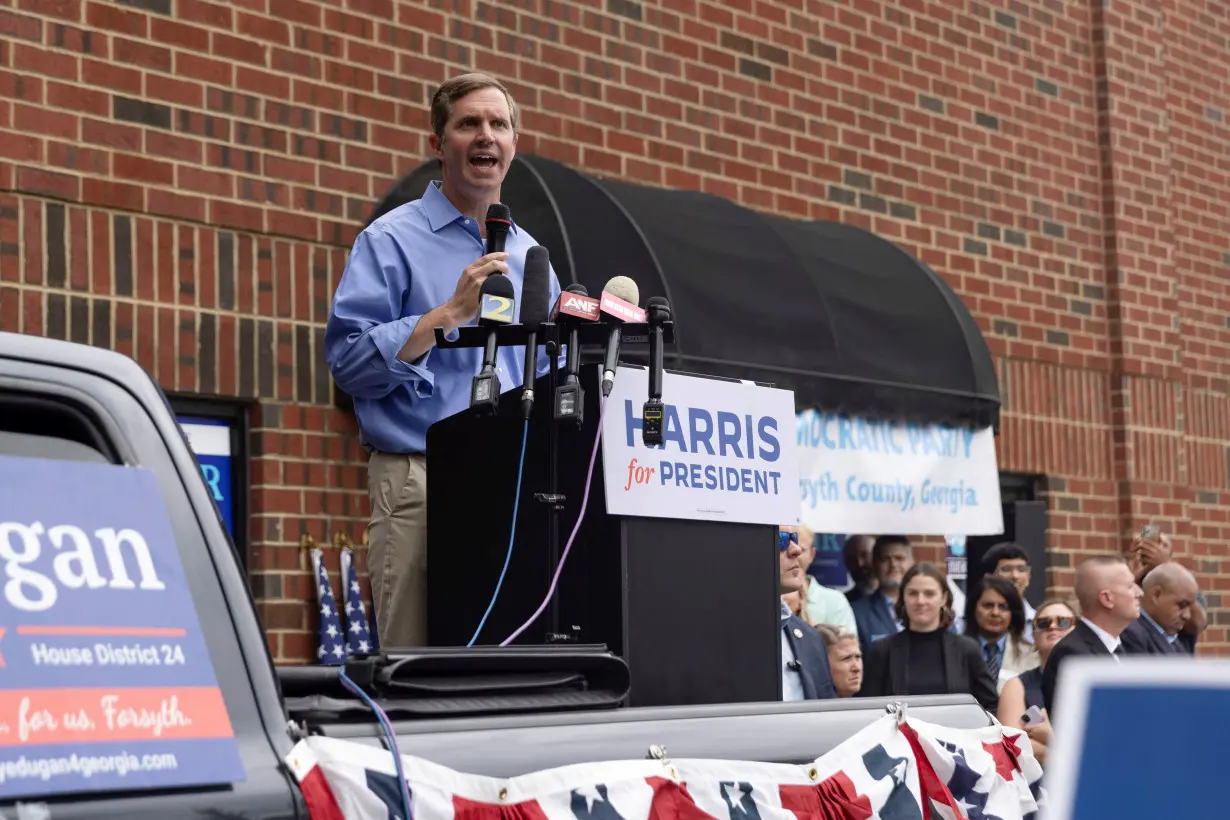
(43, 427)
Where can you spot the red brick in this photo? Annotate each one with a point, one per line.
(77, 157)
(177, 33)
(217, 15)
(145, 55)
(69, 10)
(235, 215)
(116, 18)
(178, 92)
(21, 26)
(263, 28)
(42, 61)
(49, 183)
(112, 77)
(78, 99)
(208, 69)
(44, 121)
(239, 49)
(143, 169)
(112, 194)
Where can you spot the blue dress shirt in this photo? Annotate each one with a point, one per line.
(792, 679)
(403, 265)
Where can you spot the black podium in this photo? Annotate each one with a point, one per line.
(693, 607)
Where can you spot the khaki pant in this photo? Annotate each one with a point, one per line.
(397, 547)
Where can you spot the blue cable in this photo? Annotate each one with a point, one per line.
(511, 537)
(388, 734)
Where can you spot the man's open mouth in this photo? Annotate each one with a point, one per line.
(484, 160)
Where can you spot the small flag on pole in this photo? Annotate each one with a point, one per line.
(332, 648)
(358, 634)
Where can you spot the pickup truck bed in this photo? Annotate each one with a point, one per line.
(76, 403)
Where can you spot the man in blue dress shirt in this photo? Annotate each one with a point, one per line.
(415, 269)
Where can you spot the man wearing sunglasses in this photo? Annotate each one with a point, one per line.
(805, 659)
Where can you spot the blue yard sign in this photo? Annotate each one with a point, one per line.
(210, 440)
(105, 680)
(1161, 717)
(829, 565)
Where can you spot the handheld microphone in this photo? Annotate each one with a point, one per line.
(574, 306)
(535, 309)
(620, 296)
(496, 302)
(659, 311)
(499, 220)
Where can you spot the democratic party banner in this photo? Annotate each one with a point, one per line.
(105, 680)
(728, 452)
(891, 770)
(865, 476)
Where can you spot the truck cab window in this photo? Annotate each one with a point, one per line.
(42, 427)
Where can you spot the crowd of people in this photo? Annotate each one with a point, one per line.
(896, 632)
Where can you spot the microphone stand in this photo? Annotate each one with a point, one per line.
(555, 505)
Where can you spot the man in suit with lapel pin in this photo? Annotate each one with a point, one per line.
(1110, 602)
(1169, 595)
(805, 659)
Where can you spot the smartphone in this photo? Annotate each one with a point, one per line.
(1150, 532)
(1032, 716)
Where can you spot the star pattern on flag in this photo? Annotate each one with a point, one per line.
(590, 795)
(1006, 755)
(358, 635)
(962, 783)
(331, 649)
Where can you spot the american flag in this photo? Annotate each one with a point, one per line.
(358, 636)
(891, 770)
(332, 648)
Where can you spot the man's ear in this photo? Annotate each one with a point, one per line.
(435, 143)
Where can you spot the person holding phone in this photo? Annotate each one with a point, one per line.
(1151, 549)
(1020, 703)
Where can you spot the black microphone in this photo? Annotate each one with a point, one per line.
(659, 311)
(497, 303)
(625, 291)
(574, 307)
(535, 310)
(794, 666)
(499, 220)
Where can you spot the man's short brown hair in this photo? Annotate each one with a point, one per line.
(456, 88)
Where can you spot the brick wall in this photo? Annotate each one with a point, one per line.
(181, 180)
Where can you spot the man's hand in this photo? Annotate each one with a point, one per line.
(460, 309)
(1147, 553)
(464, 302)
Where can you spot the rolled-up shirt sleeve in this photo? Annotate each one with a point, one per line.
(366, 330)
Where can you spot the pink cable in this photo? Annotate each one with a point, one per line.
(567, 547)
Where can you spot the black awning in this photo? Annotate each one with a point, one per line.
(846, 319)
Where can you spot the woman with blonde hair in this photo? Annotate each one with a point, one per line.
(845, 659)
(1052, 621)
(926, 657)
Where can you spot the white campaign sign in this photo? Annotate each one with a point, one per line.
(728, 455)
(863, 476)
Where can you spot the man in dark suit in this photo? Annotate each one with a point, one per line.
(1110, 602)
(805, 659)
(1169, 597)
(1148, 552)
(891, 557)
(857, 554)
